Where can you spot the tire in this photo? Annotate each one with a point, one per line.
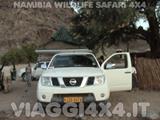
(96, 110)
(44, 105)
(98, 107)
(23, 76)
(34, 79)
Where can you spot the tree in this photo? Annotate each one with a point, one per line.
(153, 32)
(29, 53)
(19, 55)
(99, 25)
(63, 35)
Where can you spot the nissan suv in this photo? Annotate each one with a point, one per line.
(78, 77)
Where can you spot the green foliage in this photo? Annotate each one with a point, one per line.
(64, 35)
(92, 26)
(29, 53)
(114, 25)
(20, 55)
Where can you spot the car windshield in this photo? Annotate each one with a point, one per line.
(74, 61)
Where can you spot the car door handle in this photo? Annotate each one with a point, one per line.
(128, 72)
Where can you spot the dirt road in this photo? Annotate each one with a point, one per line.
(19, 95)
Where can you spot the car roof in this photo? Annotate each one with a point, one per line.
(75, 53)
(56, 51)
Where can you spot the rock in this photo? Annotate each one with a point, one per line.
(29, 26)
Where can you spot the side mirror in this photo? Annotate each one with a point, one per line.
(44, 66)
(110, 66)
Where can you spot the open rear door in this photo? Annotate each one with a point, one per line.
(118, 71)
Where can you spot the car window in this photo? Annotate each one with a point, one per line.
(41, 63)
(117, 61)
(74, 61)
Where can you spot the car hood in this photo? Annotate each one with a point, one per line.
(72, 72)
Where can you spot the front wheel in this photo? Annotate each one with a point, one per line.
(100, 105)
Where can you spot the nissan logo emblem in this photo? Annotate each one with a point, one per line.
(73, 82)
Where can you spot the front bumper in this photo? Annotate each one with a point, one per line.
(89, 93)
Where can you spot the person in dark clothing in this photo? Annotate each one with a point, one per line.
(101, 59)
(28, 76)
(13, 72)
(1, 78)
(134, 73)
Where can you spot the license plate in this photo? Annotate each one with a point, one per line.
(73, 99)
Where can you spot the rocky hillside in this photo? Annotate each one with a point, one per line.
(26, 26)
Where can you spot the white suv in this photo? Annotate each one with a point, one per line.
(37, 70)
(78, 77)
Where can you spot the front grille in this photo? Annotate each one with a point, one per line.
(90, 81)
(55, 82)
(73, 81)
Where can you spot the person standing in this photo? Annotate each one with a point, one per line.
(7, 84)
(1, 77)
(6, 80)
(101, 60)
(134, 73)
(13, 72)
(28, 76)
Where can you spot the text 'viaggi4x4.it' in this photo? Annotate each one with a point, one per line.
(78, 77)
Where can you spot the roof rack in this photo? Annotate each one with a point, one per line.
(55, 51)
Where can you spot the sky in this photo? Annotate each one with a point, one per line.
(143, 23)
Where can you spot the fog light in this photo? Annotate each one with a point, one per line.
(44, 96)
(102, 94)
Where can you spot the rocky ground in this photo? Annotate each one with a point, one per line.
(18, 95)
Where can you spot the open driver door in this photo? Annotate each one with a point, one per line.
(118, 71)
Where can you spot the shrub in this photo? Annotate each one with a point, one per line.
(20, 55)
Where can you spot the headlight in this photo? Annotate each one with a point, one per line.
(46, 81)
(99, 80)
